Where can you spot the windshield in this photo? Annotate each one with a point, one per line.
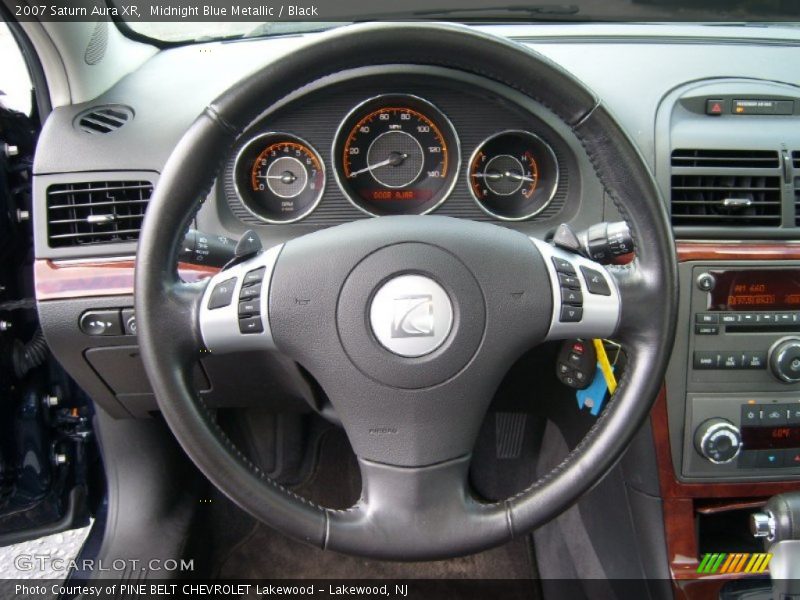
(190, 21)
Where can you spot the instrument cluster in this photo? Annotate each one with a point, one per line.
(396, 154)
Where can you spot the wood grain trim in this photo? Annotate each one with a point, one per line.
(55, 281)
(682, 502)
(723, 250)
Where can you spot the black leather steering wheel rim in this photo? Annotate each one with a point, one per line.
(167, 308)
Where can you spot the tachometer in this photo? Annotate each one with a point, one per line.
(396, 154)
(279, 177)
(513, 175)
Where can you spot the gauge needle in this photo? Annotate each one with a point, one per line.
(285, 177)
(518, 176)
(395, 159)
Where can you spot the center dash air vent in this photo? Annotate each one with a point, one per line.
(727, 159)
(103, 119)
(98, 212)
(796, 159)
(726, 188)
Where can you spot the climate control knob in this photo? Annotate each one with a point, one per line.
(784, 359)
(718, 440)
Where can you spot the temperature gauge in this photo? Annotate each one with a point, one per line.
(513, 175)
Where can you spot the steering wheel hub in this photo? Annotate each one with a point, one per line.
(411, 315)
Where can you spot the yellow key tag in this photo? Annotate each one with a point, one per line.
(605, 365)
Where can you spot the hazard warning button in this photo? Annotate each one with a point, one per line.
(715, 107)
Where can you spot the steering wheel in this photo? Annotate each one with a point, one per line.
(408, 323)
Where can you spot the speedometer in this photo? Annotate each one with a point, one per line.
(396, 154)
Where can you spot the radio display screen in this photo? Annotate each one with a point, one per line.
(751, 290)
(767, 438)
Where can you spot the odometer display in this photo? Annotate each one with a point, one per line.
(396, 155)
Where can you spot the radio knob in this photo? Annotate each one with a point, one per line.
(784, 360)
(718, 440)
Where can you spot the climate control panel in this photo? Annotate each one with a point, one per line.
(740, 436)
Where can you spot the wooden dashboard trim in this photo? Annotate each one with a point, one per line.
(683, 502)
(722, 250)
(79, 279)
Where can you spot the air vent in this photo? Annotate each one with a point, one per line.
(726, 159)
(103, 119)
(726, 188)
(796, 163)
(99, 212)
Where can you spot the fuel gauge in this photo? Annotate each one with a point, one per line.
(513, 175)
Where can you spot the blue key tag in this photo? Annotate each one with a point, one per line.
(594, 396)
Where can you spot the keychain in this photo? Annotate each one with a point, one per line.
(593, 397)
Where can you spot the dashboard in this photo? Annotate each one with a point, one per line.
(715, 112)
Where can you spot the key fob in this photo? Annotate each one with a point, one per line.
(576, 364)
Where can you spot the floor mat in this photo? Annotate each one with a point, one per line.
(259, 552)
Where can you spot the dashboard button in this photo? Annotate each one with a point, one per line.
(774, 414)
(793, 414)
(729, 319)
(751, 415)
(222, 294)
(563, 266)
(706, 318)
(791, 457)
(251, 325)
(706, 359)
(769, 459)
(254, 276)
(251, 291)
(569, 296)
(706, 329)
(571, 314)
(747, 459)
(730, 360)
(596, 282)
(715, 107)
(754, 360)
(129, 321)
(249, 308)
(100, 322)
(747, 319)
(569, 281)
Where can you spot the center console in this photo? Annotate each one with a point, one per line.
(740, 397)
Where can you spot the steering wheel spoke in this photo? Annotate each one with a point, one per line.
(586, 299)
(233, 313)
(416, 512)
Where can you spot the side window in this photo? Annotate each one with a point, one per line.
(15, 81)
